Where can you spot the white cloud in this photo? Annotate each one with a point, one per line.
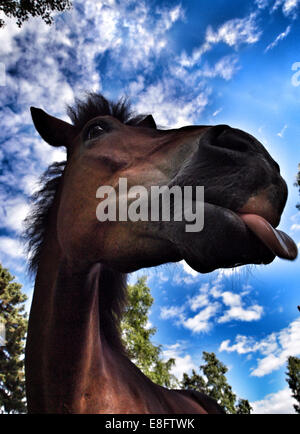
(289, 7)
(133, 28)
(215, 113)
(235, 32)
(202, 321)
(268, 364)
(245, 344)
(262, 4)
(13, 213)
(170, 16)
(63, 64)
(136, 86)
(199, 323)
(179, 279)
(171, 312)
(252, 313)
(275, 403)
(276, 348)
(229, 307)
(11, 247)
(30, 183)
(295, 227)
(281, 133)
(279, 38)
(295, 219)
(148, 325)
(200, 300)
(183, 362)
(7, 37)
(237, 309)
(225, 68)
(168, 109)
(162, 277)
(48, 154)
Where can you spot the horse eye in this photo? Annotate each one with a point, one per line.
(94, 131)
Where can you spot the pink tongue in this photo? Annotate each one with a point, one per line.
(277, 241)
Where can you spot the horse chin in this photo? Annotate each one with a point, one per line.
(204, 267)
(208, 268)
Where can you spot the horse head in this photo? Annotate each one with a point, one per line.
(244, 193)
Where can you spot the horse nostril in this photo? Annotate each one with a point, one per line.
(225, 138)
(232, 139)
(218, 130)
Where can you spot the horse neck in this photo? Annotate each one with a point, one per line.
(64, 349)
(74, 362)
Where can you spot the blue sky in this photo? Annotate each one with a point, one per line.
(188, 62)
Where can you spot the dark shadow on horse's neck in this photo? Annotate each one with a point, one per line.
(99, 291)
(94, 298)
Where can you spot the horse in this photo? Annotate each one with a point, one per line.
(75, 361)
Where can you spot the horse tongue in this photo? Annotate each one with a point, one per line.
(277, 241)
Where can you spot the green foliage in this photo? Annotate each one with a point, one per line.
(12, 384)
(214, 384)
(23, 9)
(243, 407)
(294, 379)
(195, 382)
(137, 333)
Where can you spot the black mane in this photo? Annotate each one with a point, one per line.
(37, 221)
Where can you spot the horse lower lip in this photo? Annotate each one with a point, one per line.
(277, 241)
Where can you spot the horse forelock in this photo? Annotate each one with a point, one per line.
(96, 105)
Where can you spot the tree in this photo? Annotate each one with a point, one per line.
(294, 379)
(243, 407)
(137, 334)
(23, 9)
(214, 384)
(195, 382)
(12, 383)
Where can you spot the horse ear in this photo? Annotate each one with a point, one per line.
(53, 130)
(147, 122)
